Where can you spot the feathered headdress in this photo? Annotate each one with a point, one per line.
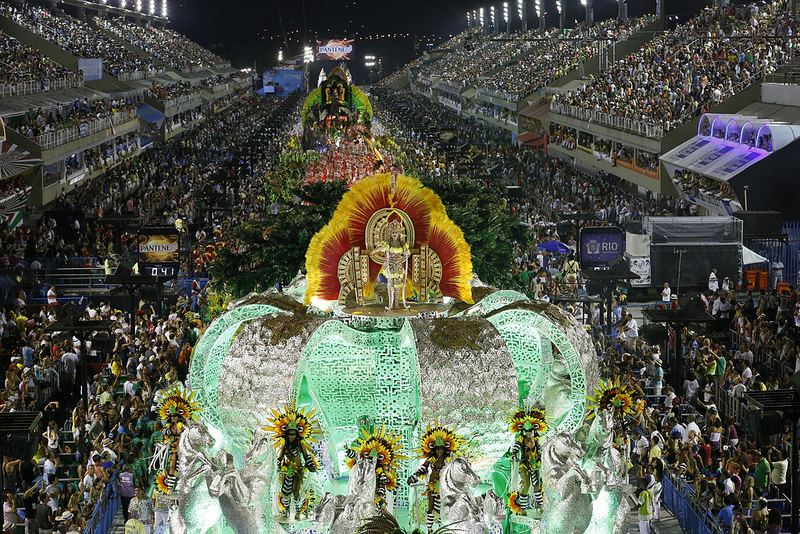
(358, 218)
(438, 436)
(291, 418)
(382, 446)
(615, 395)
(530, 419)
(176, 399)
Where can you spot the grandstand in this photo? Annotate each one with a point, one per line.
(80, 120)
(617, 96)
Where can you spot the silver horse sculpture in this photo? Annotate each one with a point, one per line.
(344, 514)
(610, 466)
(461, 510)
(568, 488)
(240, 495)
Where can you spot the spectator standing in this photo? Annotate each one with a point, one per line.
(70, 361)
(658, 376)
(761, 474)
(10, 510)
(777, 272)
(780, 467)
(52, 298)
(44, 515)
(666, 293)
(713, 281)
(142, 507)
(127, 489)
(646, 504)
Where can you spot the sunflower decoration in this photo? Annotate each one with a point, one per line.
(383, 446)
(513, 503)
(438, 436)
(529, 419)
(615, 396)
(176, 400)
(292, 418)
(163, 482)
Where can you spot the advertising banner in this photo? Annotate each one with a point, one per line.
(282, 81)
(600, 245)
(334, 49)
(92, 69)
(159, 251)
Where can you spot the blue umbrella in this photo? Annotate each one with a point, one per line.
(554, 247)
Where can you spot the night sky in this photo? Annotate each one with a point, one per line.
(248, 31)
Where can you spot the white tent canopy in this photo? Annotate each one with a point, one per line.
(749, 257)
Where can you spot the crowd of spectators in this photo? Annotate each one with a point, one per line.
(554, 57)
(473, 54)
(35, 123)
(173, 90)
(85, 448)
(690, 69)
(167, 45)
(699, 185)
(77, 37)
(20, 63)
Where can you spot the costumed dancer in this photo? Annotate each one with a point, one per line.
(395, 266)
(528, 425)
(175, 407)
(292, 432)
(437, 446)
(385, 449)
(622, 400)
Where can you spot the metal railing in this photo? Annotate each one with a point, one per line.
(106, 509)
(139, 75)
(8, 90)
(52, 140)
(175, 102)
(640, 128)
(763, 356)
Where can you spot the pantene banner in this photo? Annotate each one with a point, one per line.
(334, 49)
(158, 247)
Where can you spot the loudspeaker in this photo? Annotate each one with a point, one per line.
(761, 222)
(765, 423)
(123, 270)
(654, 334)
(618, 265)
(691, 303)
(565, 229)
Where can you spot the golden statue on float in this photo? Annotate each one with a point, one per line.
(395, 226)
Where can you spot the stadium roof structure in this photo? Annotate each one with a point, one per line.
(12, 107)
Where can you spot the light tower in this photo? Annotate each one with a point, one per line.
(560, 17)
(587, 5)
(522, 15)
(493, 19)
(540, 14)
(506, 17)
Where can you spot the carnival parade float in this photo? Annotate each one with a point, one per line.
(389, 387)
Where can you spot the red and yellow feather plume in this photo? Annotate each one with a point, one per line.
(374, 193)
(322, 260)
(447, 240)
